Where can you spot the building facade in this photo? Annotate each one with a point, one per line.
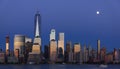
(19, 43)
(53, 51)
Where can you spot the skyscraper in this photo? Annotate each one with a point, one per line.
(84, 53)
(37, 40)
(37, 28)
(52, 34)
(61, 47)
(35, 55)
(69, 52)
(53, 50)
(61, 43)
(77, 49)
(98, 49)
(7, 45)
(19, 44)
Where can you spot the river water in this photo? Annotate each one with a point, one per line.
(57, 66)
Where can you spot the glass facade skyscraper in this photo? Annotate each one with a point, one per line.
(37, 27)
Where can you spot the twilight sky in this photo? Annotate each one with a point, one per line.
(77, 18)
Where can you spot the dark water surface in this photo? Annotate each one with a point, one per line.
(58, 66)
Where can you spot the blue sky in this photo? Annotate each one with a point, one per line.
(77, 18)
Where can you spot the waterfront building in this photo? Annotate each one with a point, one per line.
(77, 49)
(84, 53)
(69, 52)
(28, 48)
(19, 43)
(53, 51)
(14, 57)
(46, 52)
(119, 54)
(7, 45)
(115, 56)
(109, 57)
(98, 49)
(35, 55)
(2, 57)
(61, 47)
(102, 54)
(89, 51)
(36, 48)
(61, 43)
(94, 55)
(87, 55)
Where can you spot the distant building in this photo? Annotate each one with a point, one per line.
(84, 53)
(94, 55)
(19, 43)
(119, 54)
(7, 45)
(89, 51)
(53, 50)
(27, 39)
(61, 46)
(98, 49)
(16, 53)
(52, 34)
(28, 48)
(115, 56)
(102, 54)
(109, 58)
(69, 52)
(46, 52)
(2, 57)
(77, 49)
(87, 55)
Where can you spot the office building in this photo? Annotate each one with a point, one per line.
(77, 49)
(7, 45)
(102, 54)
(2, 57)
(115, 56)
(19, 43)
(36, 48)
(98, 49)
(84, 53)
(61, 44)
(35, 55)
(69, 52)
(53, 50)
(46, 52)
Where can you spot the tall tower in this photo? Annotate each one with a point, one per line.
(52, 34)
(7, 45)
(61, 43)
(37, 27)
(35, 56)
(98, 49)
(53, 50)
(37, 40)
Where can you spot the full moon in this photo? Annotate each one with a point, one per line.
(97, 12)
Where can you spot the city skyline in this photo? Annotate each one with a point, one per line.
(84, 27)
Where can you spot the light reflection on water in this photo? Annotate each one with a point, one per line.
(57, 66)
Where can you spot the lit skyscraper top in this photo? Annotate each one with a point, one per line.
(52, 34)
(37, 24)
(61, 36)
